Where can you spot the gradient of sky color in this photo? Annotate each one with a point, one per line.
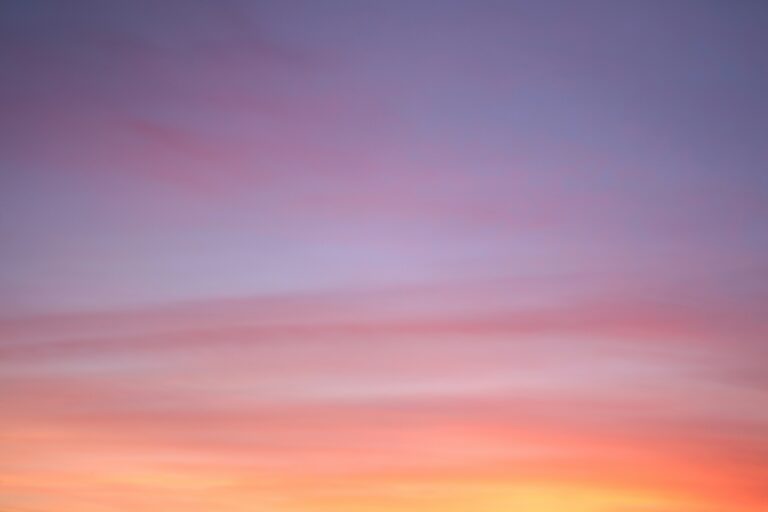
(384, 256)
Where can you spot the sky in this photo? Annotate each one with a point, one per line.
(397, 256)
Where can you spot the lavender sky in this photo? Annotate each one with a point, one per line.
(294, 256)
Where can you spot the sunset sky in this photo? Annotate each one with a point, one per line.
(383, 256)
